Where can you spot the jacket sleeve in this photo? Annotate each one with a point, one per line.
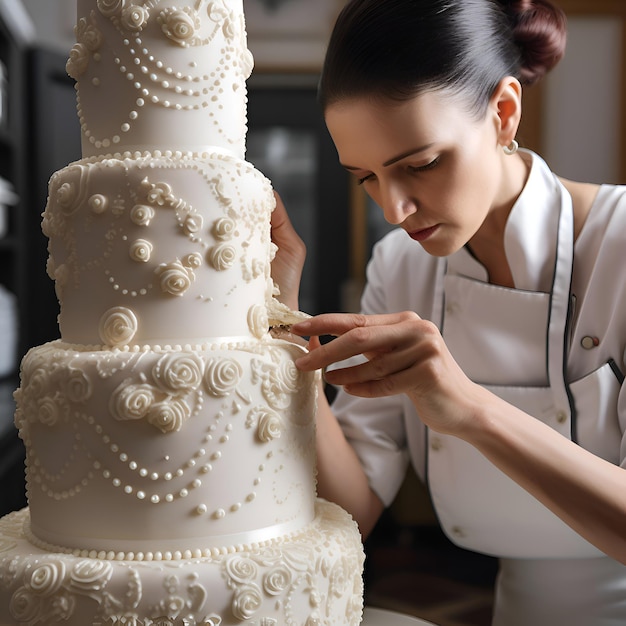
(376, 428)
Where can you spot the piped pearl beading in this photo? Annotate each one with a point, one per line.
(162, 76)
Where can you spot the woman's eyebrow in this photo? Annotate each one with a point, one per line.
(406, 154)
(395, 159)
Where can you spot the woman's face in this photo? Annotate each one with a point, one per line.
(433, 168)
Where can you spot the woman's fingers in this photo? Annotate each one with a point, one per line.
(289, 260)
(387, 341)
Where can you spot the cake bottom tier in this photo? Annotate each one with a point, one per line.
(312, 578)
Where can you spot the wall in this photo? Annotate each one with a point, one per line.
(582, 116)
(54, 22)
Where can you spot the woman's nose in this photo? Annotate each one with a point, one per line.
(397, 204)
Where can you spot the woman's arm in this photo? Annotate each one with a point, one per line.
(340, 476)
(408, 355)
(585, 491)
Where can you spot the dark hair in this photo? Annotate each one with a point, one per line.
(396, 49)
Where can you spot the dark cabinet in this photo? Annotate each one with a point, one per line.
(289, 143)
(13, 279)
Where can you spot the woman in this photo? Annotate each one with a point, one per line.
(490, 351)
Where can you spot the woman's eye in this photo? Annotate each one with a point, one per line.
(364, 179)
(424, 168)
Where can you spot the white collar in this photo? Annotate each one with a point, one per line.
(530, 233)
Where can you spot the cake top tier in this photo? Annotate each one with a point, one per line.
(163, 75)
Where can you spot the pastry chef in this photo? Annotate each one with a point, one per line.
(490, 348)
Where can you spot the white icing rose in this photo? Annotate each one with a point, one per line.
(47, 578)
(142, 214)
(258, 414)
(88, 35)
(246, 601)
(90, 575)
(118, 326)
(109, 8)
(224, 228)
(135, 17)
(24, 606)
(193, 224)
(270, 426)
(241, 569)
(192, 261)
(222, 376)
(141, 251)
(277, 580)
(169, 416)
(98, 203)
(78, 61)
(65, 195)
(222, 257)
(131, 402)
(258, 322)
(180, 25)
(160, 194)
(78, 387)
(281, 385)
(71, 192)
(290, 377)
(37, 382)
(212, 620)
(178, 372)
(47, 411)
(175, 278)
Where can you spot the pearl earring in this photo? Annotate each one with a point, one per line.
(511, 148)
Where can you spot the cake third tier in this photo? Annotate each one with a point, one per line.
(167, 451)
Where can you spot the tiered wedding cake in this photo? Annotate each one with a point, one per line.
(170, 438)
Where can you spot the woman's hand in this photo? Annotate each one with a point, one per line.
(404, 354)
(289, 261)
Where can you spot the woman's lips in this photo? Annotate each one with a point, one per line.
(425, 233)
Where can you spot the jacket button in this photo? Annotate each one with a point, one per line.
(435, 444)
(588, 343)
(561, 417)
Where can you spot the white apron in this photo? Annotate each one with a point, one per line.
(515, 343)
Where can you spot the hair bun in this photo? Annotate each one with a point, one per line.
(540, 33)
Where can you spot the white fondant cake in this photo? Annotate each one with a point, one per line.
(170, 438)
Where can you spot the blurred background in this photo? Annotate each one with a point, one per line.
(574, 119)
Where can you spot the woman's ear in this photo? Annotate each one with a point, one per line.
(506, 106)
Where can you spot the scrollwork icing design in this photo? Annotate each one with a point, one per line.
(79, 203)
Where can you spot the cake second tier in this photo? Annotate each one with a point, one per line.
(160, 249)
(167, 451)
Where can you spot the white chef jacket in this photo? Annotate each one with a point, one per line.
(386, 432)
